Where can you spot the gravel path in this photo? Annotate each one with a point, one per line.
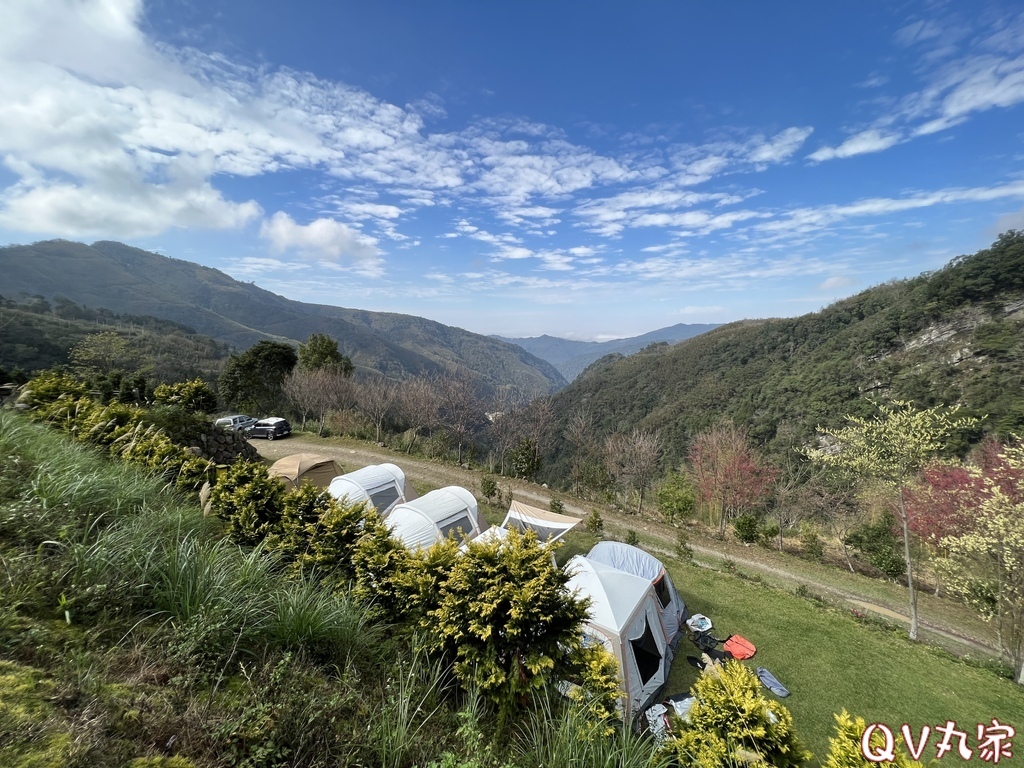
(436, 474)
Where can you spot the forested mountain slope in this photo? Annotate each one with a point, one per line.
(129, 280)
(955, 336)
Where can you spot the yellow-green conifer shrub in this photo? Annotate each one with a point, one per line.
(733, 723)
(250, 500)
(845, 751)
(506, 619)
(378, 561)
(597, 688)
(195, 396)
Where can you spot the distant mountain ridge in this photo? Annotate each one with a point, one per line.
(572, 357)
(129, 280)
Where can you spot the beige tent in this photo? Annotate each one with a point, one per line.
(306, 469)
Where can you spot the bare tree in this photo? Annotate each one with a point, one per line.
(580, 433)
(461, 412)
(376, 396)
(633, 459)
(318, 392)
(418, 404)
(504, 422)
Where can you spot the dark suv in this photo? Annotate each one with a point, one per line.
(270, 428)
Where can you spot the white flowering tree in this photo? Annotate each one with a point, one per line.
(892, 449)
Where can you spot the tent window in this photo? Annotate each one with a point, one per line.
(457, 527)
(542, 531)
(661, 588)
(383, 498)
(646, 653)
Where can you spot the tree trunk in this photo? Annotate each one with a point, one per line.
(910, 568)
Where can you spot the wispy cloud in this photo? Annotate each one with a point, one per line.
(871, 140)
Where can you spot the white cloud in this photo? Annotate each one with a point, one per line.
(324, 238)
(835, 283)
(871, 140)
(780, 147)
(918, 32)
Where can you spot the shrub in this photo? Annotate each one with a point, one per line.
(632, 538)
(557, 506)
(683, 549)
(732, 722)
(811, 543)
(250, 500)
(488, 487)
(506, 618)
(378, 561)
(879, 543)
(747, 528)
(195, 396)
(677, 497)
(595, 523)
(844, 749)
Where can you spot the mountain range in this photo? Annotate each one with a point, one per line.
(129, 280)
(571, 357)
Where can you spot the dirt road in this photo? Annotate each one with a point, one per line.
(657, 537)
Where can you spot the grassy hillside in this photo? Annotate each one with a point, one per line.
(955, 336)
(129, 280)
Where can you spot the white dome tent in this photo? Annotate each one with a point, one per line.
(639, 563)
(624, 617)
(432, 517)
(383, 485)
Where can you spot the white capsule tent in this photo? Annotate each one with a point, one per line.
(624, 617)
(450, 511)
(639, 563)
(382, 485)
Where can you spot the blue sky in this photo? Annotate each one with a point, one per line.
(587, 170)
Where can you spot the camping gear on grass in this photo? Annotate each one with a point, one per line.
(769, 681)
(698, 623)
(634, 560)
(624, 617)
(305, 469)
(739, 647)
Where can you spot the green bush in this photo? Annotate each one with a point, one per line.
(379, 561)
(195, 396)
(488, 487)
(747, 528)
(595, 523)
(683, 549)
(677, 497)
(632, 538)
(250, 500)
(733, 723)
(811, 543)
(557, 506)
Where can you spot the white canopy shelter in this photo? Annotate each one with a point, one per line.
(436, 515)
(639, 563)
(624, 617)
(548, 526)
(382, 485)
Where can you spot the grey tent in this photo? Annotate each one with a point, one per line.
(624, 618)
(645, 565)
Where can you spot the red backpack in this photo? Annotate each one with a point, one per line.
(739, 647)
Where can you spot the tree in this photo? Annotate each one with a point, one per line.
(677, 497)
(108, 355)
(579, 431)
(985, 565)
(633, 459)
(318, 391)
(320, 352)
(254, 379)
(418, 404)
(507, 619)
(891, 449)
(731, 477)
(376, 396)
(460, 412)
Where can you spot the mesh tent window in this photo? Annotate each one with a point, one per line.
(661, 589)
(646, 653)
(383, 498)
(459, 527)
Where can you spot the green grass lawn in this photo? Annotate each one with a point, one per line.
(830, 661)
